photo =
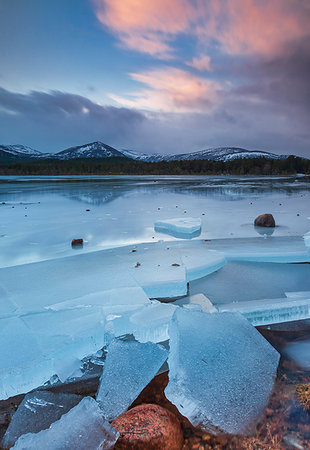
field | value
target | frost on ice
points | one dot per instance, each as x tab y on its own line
221	370
82	428
185	228
129	367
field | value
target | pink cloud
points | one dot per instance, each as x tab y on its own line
239	26
203	63
145	26
171	89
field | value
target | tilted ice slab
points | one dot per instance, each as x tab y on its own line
185	227
148	324
83	427
221	370
288	249
271	311
37	412
128	368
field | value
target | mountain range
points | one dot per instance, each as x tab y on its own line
99	150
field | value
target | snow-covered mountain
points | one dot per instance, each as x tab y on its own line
99	150
154	157
21	151
92	150
211	154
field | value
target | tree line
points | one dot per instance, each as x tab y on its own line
123	166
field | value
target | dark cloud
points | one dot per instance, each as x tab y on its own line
57	119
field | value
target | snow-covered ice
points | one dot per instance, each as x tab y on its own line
83	427
37	411
183	228
221	370
129	367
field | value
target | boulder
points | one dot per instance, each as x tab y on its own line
265	220
148	427
77	242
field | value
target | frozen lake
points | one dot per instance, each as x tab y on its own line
41	215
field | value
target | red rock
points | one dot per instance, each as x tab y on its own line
76	242
148	427
265	220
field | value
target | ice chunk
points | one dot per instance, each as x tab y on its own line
185	228
83	427
300	353
198	300
271	311
221	370
38	411
129	367
151	323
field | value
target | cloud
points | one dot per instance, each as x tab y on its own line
239	27
145	26
60	119
171	89
203	63
56	120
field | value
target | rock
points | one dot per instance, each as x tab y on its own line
265	220
148	427
77	242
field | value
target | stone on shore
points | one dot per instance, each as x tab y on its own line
148	427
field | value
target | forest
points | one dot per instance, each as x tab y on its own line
125	166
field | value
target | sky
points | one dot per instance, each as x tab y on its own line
163	76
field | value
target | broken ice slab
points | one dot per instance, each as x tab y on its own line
37	411
83	427
128	368
65	279
184	228
199	261
150	324
22	365
158	269
245	281
299	352
271	311
290	249
221	370
197	300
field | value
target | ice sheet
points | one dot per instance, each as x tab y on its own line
37	412
124	209
245	281
221	370
83	427
129	367
290	249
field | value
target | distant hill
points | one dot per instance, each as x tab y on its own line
99	150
